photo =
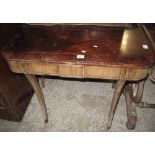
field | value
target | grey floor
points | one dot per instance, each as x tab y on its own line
81	106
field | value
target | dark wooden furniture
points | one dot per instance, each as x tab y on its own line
15	90
81	51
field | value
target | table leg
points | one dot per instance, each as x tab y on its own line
113	85
33	81
42	82
131	109
118	90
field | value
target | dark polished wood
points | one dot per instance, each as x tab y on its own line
108	46
121	53
8	31
15	91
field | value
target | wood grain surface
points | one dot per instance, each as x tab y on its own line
100	45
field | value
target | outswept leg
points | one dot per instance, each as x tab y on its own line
33	81
118	90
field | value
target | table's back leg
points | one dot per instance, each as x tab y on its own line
118	89
33	81
42	82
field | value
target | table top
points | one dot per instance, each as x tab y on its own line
81	45
151	30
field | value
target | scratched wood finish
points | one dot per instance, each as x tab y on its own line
77	71
103	46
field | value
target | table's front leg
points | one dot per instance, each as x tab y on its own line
118	90
131	109
33	81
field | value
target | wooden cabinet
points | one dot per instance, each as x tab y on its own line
15	90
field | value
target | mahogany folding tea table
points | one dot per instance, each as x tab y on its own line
81	51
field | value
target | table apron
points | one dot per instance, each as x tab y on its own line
78	71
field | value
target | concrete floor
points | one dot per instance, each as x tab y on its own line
81	106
